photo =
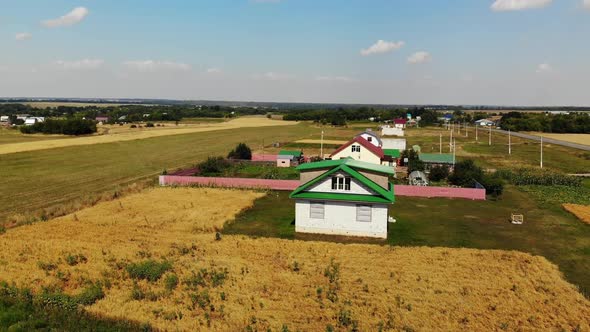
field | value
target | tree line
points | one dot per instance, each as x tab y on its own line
574	123
61	127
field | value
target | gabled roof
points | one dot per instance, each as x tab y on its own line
296	154
394	153
436	158
371	133
400	121
368	145
347	166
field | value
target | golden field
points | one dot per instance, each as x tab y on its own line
319	141
269	283
126	134
580	211
573	138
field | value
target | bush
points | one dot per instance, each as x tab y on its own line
90	294
213	165
241	152
171	282
439	173
149	125
466	173
493	184
149	270
73	127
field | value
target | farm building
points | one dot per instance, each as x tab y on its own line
4	118
372	138
102	118
394	143
485	123
32	120
343	197
289	158
437	159
400	123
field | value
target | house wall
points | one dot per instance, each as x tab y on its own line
283	162
391	131
365	155
325	186
340	219
394	143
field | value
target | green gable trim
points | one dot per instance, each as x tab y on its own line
342	197
384	195
349	162
296	154
394	153
437	158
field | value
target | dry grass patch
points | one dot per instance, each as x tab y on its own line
158	264
127	134
319	141
583	139
580	211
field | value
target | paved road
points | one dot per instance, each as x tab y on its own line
545	140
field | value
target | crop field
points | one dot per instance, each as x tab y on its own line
580	211
153	258
55	181
574	138
326	141
127	134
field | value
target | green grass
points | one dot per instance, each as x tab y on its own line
48	179
8	136
548	229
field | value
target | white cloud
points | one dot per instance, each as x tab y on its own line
23	36
419	57
272	76
75	16
152	65
213	70
544	68
511	5
334	79
382	46
586	4
83	64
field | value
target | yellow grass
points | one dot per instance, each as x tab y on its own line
580	211
573	138
318	141
126	134
423	289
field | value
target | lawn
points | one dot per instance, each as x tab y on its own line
64	179
549	230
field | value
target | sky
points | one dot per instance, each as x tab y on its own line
492	52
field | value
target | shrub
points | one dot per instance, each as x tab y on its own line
242	152
171	282
466	173
72	260
439	173
149	125
149	270
213	165
493	184
90	294
133	126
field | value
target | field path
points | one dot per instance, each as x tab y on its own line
246	122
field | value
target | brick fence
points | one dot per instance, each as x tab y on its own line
289	185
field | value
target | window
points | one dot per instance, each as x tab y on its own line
363	213
316	210
341	183
356	148
370	139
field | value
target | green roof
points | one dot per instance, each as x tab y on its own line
348	162
437	158
290	153
392	153
348	166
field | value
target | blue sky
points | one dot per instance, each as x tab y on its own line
523	52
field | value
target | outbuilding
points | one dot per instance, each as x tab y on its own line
288	158
343	197
431	160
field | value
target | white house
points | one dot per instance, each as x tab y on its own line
400	123
343	197
359	149
485	123
371	137
394	143
32	120
4	118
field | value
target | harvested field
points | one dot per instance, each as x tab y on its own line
580	211
129	135
574	138
236	282
319	141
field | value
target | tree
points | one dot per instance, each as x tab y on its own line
466	173
242	152
438	173
493	184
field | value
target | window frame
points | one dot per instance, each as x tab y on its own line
359	217
313	213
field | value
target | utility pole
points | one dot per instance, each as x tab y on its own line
322	146
466	133
454	151
541	151
440	143
509	143
451	142
490	139
476	138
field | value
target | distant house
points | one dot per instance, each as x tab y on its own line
400	123
437	159
391	157
4	118
289	158
32	120
371	137
362	150
387	130
343	197
102	118
485	123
